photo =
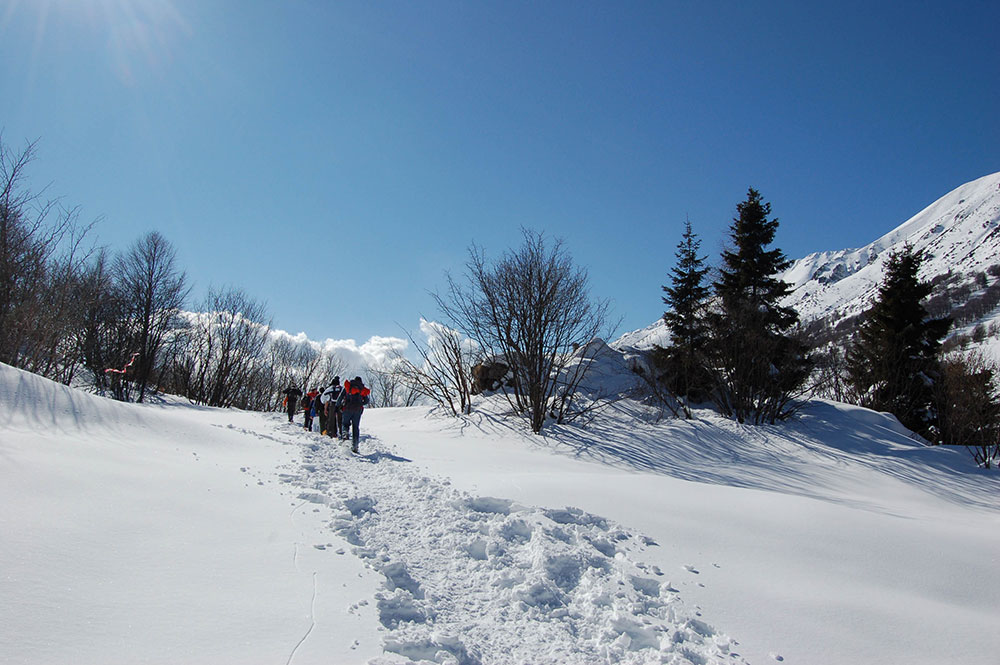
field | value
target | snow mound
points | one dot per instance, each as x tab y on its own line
31	402
608	371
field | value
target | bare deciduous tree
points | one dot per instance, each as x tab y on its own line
103	336
153	290
223	350
332	365
53	351
389	387
294	364
42	259
529	308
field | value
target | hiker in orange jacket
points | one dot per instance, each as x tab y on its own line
352	401
309	406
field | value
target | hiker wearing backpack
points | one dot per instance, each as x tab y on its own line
315	407
333	416
291	402
307	405
353	399
319	407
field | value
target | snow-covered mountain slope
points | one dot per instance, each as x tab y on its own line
959	233
655	334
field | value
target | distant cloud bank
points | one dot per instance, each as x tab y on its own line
374	353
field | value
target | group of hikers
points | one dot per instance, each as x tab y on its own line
337	408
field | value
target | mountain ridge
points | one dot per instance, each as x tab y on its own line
957	233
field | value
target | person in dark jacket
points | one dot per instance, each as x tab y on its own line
292	395
352	400
334	419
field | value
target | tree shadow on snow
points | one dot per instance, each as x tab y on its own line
816	454
381	456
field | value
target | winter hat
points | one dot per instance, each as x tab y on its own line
336	380
357	379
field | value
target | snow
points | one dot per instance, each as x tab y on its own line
960	232
169	533
655	334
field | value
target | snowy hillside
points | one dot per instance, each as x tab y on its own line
959	233
169	533
960	236
655	334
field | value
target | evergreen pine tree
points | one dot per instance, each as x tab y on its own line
892	362
683	362
758	366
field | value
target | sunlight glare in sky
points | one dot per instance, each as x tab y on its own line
130	31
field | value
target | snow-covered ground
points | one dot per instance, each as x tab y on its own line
168	533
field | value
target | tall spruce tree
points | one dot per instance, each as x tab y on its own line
758	366
892	362
683	362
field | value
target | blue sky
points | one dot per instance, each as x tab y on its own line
334	159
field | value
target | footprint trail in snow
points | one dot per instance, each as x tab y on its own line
474	580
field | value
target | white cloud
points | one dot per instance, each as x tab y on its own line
434	331
375	352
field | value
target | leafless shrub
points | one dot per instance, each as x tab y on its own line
661	394
829	376
969	406
444	374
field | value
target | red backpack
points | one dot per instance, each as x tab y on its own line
357	396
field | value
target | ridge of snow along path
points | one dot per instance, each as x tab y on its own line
472	580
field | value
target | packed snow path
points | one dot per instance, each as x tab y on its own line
480	580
